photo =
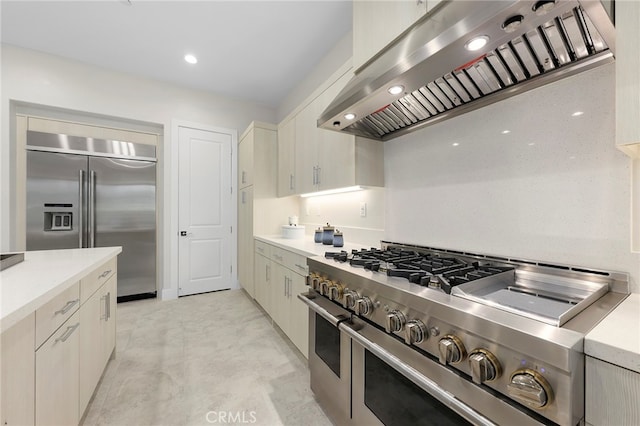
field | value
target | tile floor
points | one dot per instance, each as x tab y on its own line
213	358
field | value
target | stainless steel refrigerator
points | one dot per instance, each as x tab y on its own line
86	192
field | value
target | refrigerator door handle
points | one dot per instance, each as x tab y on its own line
80	209
92	208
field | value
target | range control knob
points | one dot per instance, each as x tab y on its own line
485	367
530	388
394	321
349	300
363	306
314	281
336	291
451	350
324	287
415	332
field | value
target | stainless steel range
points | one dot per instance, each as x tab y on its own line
418	335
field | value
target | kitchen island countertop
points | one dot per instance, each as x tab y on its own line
617	338
41	276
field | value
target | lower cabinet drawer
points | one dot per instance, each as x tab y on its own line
55	312
296	262
263	248
94	280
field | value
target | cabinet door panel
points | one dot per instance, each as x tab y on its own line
286	158
336	151
18	374
109	326
262	278
245	240
57	376
245	160
279	297
306	151
92	315
299	320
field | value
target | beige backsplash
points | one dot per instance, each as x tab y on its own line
343	212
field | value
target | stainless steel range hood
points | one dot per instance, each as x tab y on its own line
529	44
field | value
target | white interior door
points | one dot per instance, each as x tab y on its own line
204	213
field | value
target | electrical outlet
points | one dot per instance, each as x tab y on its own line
363	209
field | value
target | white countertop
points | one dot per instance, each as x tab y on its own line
305	246
617	338
41	276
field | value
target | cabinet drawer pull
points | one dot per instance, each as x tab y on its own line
260	249
275	256
105	273
70	304
67	333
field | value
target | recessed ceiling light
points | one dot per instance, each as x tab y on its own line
506	132
395	90
455	144
350	116
577	114
191	59
477	43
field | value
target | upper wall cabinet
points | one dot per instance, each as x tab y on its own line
378	23
287	158
325	159
627	77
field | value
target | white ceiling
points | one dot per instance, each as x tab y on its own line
252	50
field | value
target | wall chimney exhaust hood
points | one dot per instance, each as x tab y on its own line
431	73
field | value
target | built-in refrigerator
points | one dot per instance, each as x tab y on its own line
87	192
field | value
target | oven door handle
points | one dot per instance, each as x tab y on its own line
412	374
322	307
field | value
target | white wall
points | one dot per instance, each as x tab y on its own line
333	60
554	189
36	78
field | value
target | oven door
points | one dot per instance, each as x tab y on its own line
329	357
393	384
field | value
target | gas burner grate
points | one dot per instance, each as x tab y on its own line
426	269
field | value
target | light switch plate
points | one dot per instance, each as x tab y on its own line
363	209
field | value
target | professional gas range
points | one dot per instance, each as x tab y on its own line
489	340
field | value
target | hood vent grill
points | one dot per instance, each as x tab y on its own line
561	46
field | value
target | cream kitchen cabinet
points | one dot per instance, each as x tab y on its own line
97	338
245	240
45	352
326	159
257	168
299	321
58	376
17	388
612	394
377	23
280	277
262	276
287	158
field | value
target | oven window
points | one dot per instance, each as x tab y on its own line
396	400
328	344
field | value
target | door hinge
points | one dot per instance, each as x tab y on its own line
231	229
